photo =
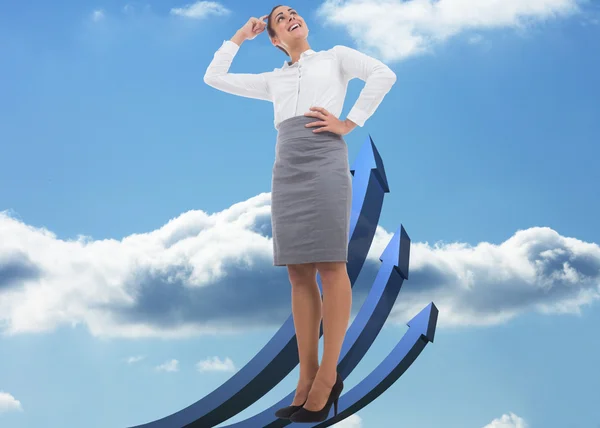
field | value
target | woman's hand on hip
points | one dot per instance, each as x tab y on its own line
329	122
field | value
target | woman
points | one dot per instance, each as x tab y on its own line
311	185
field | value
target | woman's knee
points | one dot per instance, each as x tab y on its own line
302	273
331	270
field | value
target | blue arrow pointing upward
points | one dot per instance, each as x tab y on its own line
368	188
280	355
378	304
421	330
364	329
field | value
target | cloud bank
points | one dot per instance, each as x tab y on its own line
396	29
206	273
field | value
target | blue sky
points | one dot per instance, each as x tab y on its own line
127	183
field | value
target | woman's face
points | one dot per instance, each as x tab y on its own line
288	26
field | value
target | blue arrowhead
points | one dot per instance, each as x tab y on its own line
368	189
369	159
425	321
397	252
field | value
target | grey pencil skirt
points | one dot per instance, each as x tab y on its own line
311	195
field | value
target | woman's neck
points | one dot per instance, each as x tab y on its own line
296	51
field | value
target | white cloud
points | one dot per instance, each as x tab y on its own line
135	359
97	15
507	421
200	9
168	366
206	273
396	29
215	364
352	421
8	403
534	270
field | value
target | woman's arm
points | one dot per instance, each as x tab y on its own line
378	78
246	85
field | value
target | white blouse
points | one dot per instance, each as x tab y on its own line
318	79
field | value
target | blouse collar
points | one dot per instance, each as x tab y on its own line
307	52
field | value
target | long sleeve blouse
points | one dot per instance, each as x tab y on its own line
317	79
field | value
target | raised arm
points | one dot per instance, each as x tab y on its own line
243	84
378	78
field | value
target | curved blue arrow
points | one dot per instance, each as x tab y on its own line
365	327
421	330
280	355
368	187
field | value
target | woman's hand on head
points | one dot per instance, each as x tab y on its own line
254	27
328	122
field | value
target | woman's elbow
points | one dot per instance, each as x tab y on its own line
386	75
213	77
209	79
390	76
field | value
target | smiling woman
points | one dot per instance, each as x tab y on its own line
311	191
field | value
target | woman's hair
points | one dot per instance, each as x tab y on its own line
270	29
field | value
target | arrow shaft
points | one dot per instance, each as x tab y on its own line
380	379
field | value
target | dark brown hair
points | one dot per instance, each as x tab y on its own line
270	29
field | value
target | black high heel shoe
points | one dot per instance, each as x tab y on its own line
286	412
303	415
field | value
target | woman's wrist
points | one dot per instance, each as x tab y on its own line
351	125
239	37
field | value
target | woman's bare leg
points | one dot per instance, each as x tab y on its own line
306	309
337	304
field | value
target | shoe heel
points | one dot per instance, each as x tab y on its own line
335	407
